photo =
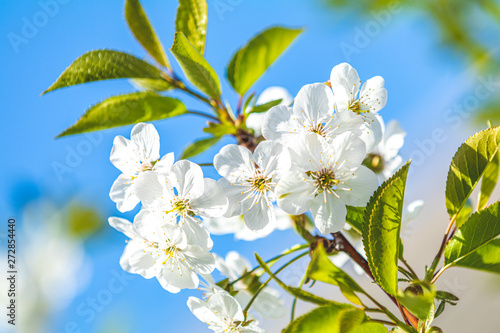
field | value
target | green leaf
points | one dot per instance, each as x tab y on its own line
381	230
418	303
341	318
199	146
252	60
480	229
191	19
104	65
468	166
195	67
322	269
126	109
138	23
355	217
489	182
486	258
464	213
219	129
371	327
297	292
158	85
264	107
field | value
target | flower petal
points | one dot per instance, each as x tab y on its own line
237	197
213	202
200	310
176	275
123	193
279	122
147	140
345	83
235	163
314	104
348	151
148	187
393	141
295	193
201	261
372	133
187	177
164	165
373	95
196	232
125	156
260	215
124	226
358	188
135	259
329	213
272	158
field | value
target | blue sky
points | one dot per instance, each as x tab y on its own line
423	80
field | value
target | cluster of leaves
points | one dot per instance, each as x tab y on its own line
247	65
470	241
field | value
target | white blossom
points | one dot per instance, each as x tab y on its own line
362	100
326	179
249	180
181	196
162	250
313	111
223	314
255	121
134	158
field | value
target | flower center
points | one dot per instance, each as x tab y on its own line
259	183
318	129
355	106
324	180
170	251
180	207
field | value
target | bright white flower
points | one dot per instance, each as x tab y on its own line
249	180
364	101
268	303
222	313
134	158
255	121
180	196
410	213
385	158
312	111
236	225
328	177
162	251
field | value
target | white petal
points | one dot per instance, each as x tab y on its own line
176	276
236	264
345	83
306	151
235	163
393	141
135	259
237	198
348	150
123	193
269	304
213	202
147	140
200	309
279	122
196	232
148	187
224	225
373	95
125	156
199	260
295	193
272	158
314	103
255	121
341	122
273	93
226	306
123	225
164	165
260	215
152	226
362	185
413	209
187	177
372	132
329	213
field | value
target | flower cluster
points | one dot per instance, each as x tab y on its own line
321	154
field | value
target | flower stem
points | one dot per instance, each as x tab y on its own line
294	303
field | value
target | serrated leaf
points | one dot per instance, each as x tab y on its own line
322	269
265	107
158	85
191	19
195	67
199	146
370	327
126	109
104	65
142	30
464	214
468	166
342	318
486	258
297	292
252	60
489	182
421	304
355	217
381	230
481	228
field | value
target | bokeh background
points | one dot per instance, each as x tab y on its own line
440	63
